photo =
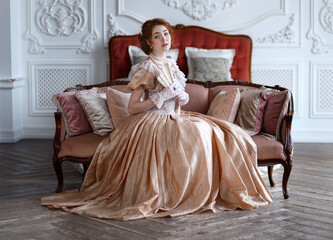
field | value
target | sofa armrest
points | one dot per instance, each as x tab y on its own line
58	137
285	130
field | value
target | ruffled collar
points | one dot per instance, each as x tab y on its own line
151	67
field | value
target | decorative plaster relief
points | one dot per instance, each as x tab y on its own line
200	10
318	35
285	35
50	78
60	17
87	43
113	27
317	44
35	47
207	10
66	20
326	16
321	90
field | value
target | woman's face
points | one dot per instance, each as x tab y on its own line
161	40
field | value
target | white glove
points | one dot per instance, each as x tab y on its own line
167	93
182	98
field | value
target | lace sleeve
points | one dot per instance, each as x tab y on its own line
142	78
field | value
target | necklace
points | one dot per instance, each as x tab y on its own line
157	58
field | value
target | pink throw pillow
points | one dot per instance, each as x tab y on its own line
75	120
277	104
117	102
225	105
251	110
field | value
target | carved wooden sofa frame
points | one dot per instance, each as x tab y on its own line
241	70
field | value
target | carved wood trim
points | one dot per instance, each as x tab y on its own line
285	127
56	139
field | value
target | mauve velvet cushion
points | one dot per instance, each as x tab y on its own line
96	110
117	102
277	104
251	110
75	120
225	105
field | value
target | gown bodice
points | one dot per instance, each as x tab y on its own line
146	73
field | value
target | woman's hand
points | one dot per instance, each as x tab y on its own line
182	98
166	94
135	104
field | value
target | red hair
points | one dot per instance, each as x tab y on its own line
147	31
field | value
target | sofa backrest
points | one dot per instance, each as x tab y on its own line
199	98
213	91
186	36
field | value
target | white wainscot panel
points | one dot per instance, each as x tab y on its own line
206	13
61	24
277	73
321	26
321	90
49	78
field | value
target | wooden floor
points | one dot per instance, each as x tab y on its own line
26	174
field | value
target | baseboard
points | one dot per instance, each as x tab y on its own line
39	133
11	135
312	135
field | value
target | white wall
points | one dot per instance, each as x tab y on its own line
11	81
293	46
5	58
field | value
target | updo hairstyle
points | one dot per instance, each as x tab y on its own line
146	33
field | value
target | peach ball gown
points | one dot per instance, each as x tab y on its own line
159	163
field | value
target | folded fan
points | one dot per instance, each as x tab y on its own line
166	77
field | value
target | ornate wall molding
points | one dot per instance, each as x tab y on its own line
35	45
200	10
326	16
113	28
317	32
285	35
317	44
60	17
68	21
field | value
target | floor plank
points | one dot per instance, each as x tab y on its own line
26	174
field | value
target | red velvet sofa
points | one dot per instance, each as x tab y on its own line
81	148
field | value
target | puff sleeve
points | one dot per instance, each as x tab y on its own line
142	78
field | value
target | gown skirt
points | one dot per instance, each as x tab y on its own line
157	165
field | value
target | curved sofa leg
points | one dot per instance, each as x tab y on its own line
287	170
58	169
270	176
85	168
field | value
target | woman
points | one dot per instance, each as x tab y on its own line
164	162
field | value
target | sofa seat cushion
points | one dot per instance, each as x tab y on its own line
268	149
80	146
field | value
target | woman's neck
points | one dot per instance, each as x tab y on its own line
159	60
158	56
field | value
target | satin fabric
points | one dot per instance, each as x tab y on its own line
157	165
